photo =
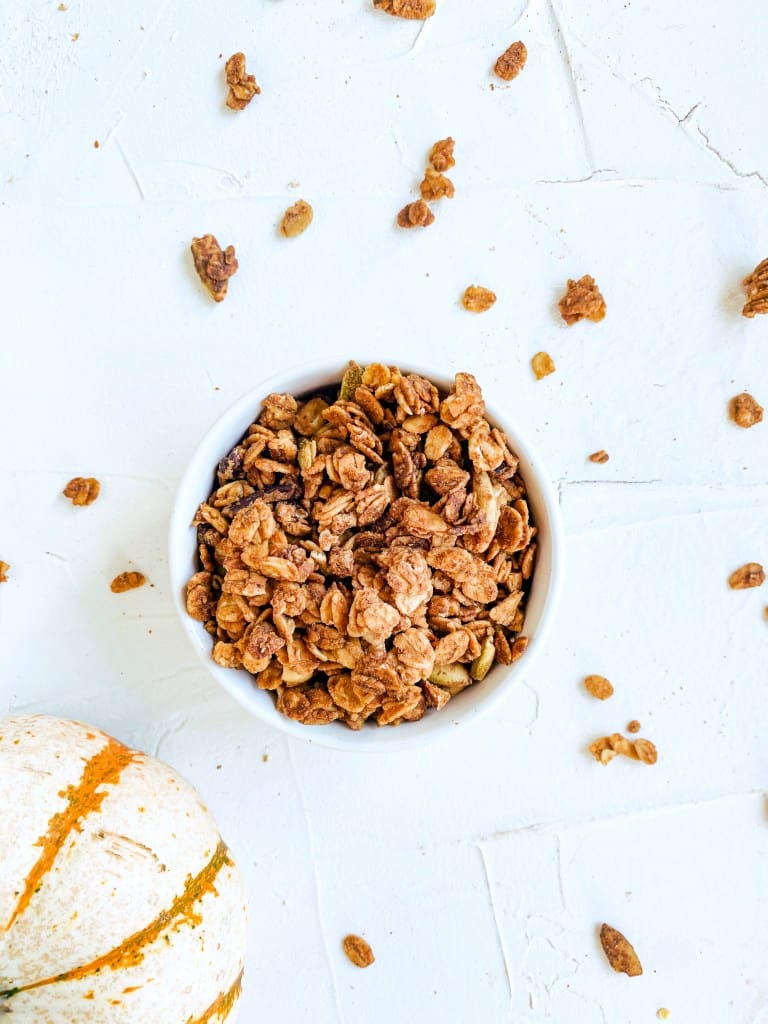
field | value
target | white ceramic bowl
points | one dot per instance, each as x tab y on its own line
469	705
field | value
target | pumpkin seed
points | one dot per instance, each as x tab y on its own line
350	382
307	452
481	666
453	678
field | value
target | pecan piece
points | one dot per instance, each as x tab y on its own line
242	87
756	285
582	301
82	490
296	219
745	411
416	214
620	952
214	265
512	61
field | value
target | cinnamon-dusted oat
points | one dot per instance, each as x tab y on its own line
747	576
582	301
600	457
296	219
358	951
242	87
599	687
756	285
415	215
620	952
478	299
127	581
416	10
366	559
4	567
542	365
512	61
745	411
214	265
436	186
82	490
604	750
441	155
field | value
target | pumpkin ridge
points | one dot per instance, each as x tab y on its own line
130	952
83	798
222	1005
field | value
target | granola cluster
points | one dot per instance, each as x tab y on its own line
366	554
756	285
242	86
512	61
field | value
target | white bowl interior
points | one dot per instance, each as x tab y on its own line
197	483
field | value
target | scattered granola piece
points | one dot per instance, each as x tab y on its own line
512	61
414	10
441	155
436	186
620	952
4	567
414	215
745	411
242	87
663	1013
214	266
127	581
600	457
75	36
542	365
749	575
82	490
358	951
756	285
62	7
582	301
599	687
477	299
96	143
633	726
296	219
604	750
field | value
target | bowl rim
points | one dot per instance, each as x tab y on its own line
201	464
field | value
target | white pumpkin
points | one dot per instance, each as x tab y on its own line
119	902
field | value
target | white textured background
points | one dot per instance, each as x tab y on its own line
633	147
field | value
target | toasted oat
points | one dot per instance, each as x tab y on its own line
296	219
436	186
242	87
633	726
604	750
620	952
756	285
127	581
358	951
414	215
441	155
600	457
214	266
745	411
542	365
415	10
749	575
599	687
512	61
82	490
582	301
4	567
477	299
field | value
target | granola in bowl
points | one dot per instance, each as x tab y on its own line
367	550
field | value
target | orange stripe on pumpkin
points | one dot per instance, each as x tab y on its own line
131	951
222	1005
84	798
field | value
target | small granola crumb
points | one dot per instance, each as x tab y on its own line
745	411
663	1013
358	951
127	581
441	155
512	61
296	219
265	758
62	7
75	36
749	575
242	87
96	143
214	265
415	10
582	301
633	726
542	365
477	299
756	285
82	490
599	687
414	215
436	185
600	457
604	750
4	567
620	952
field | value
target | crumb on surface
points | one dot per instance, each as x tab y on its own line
129	580
542	365
600	457
477	299
512	61
358	951
599	687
